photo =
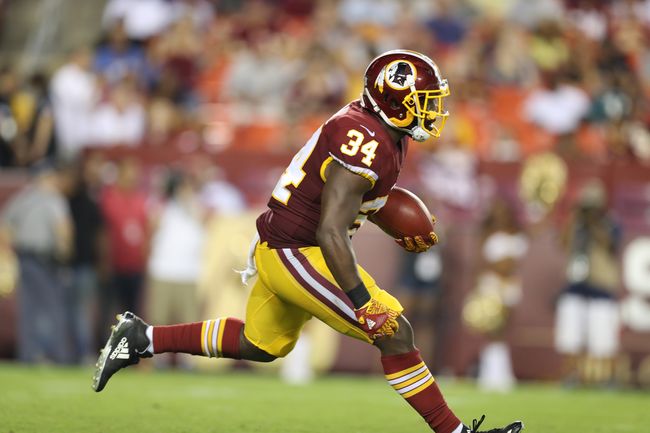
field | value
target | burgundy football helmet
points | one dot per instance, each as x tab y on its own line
406	90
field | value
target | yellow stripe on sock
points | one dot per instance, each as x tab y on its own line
222	327
210	330
403	372
419	389
411	380
205	349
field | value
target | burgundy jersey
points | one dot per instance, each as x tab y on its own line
354	138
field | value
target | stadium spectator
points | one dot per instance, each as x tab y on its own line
35	122
613	102
201	12
165	116
177	53
559	107
632	9
532	14
590	18
124	210
118	58
37	220
176	256
320	86
637	134
87	259
447	25
8	125
274	62
74	94
587	318
217	194
511	63
382	13
548	46
487	9
121	120
503	246
419	282
143	19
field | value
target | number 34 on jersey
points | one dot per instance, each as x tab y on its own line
294	174
356	144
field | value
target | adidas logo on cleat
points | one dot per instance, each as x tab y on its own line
371	323
121	351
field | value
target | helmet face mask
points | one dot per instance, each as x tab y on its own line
427	106
406	90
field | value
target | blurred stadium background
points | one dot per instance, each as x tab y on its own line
540	183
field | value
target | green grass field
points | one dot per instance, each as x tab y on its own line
48	400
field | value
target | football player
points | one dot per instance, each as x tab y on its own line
303	255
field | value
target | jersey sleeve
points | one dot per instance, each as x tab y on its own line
356	147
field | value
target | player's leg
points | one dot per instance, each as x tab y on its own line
304	280
570	335
603	329
272	330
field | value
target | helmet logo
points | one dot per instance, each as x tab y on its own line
400	74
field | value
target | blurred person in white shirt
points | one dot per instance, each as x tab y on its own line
74	94
217	194
590	18
559	107
176	256
142	19
121	120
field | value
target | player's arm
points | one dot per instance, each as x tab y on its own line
340	203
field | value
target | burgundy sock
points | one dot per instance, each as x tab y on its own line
410	377
210	338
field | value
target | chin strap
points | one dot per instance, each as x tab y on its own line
419	134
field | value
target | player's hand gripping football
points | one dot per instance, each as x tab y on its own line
418	244
377	319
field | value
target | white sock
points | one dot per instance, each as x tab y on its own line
149	334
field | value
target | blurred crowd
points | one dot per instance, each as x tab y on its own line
86	250
526	76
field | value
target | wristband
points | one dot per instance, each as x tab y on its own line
359	296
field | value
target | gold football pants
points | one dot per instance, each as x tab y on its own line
292	286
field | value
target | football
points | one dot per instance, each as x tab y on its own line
403	215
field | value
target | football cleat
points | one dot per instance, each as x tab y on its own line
515	427
126	345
